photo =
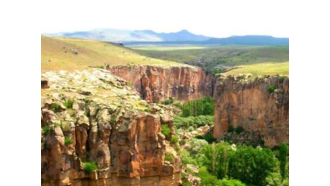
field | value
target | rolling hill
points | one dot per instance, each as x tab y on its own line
71	54
213	58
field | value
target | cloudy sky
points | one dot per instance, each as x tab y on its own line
217	18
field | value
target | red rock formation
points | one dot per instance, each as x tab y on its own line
114	129
254	107
156	83
131	152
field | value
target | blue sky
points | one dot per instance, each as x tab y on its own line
208	17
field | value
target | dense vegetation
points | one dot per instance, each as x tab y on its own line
194	114
222	164
252	166
190	123
204	106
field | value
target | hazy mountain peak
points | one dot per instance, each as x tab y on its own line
118	35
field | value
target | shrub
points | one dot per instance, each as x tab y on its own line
57	124
68	104
196	145
186	184
207	178
68	141
186	158
271	88
209	137
177	148
90	167
169	157
231	129
226	182
275	179
55	107
112	121
147	110
191	121
174	139
182	142
239	129
281	79
45	130
191	128
166	131
168	102
183	175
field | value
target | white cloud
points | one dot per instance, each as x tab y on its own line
208	17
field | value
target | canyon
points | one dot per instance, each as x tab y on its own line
240	100
111	117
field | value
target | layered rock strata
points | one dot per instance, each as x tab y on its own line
158	83
96	130
260	106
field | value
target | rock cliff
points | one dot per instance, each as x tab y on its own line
158	83
96	130
260	106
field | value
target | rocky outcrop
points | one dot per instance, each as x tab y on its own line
260	106
106	137
158	83
189	177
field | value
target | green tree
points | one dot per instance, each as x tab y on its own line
275	179
283	156
252	165
208	179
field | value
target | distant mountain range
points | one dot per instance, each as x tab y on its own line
138	37
249	40
116	35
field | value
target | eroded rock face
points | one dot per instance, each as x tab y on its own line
156	83
254	106
111	127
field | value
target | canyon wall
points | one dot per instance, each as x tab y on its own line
94	118
156	83
260	106
239	100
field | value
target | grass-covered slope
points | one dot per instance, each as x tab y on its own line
212	58
262	69
72	54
